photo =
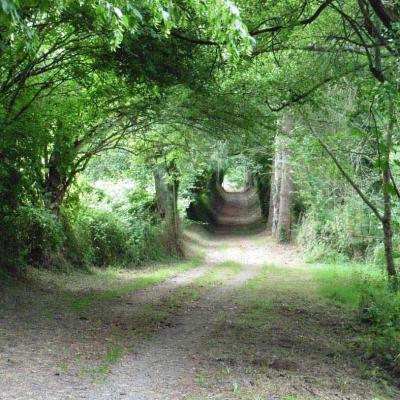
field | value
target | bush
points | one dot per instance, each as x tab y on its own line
380	309
148	242
129	233
346	230
364	288
143	205
106	235
32	235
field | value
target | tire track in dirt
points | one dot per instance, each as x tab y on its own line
165	366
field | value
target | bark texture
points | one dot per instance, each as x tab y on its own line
281	198
387	202
271	196
56	188
276	189
167	185
286	187
161	189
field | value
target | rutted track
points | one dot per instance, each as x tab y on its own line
236	211
300	348
165	366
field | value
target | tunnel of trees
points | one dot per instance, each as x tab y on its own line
124	122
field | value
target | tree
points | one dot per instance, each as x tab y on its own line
378	144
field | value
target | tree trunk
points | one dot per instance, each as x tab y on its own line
249	181
387	202
271	196
387	185
283	233
160	189
172	223
276	190
216	180
285	199
167	185
55	187
388	245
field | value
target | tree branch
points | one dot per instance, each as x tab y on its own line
303	22
346	175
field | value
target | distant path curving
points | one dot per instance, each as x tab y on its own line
236	211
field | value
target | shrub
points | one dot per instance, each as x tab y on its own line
107	237
364	288
146	242
380	309
33	234
143	205
106	234
129	233
345	230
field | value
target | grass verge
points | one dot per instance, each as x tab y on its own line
363	289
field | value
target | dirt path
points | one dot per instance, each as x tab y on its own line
165	367
250	326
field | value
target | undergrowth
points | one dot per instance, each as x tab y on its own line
363	288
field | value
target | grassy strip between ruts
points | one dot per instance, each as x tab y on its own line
229	342
143	324
153	315
218	274
141	282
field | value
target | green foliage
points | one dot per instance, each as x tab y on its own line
106	234
235	177
380	309
364	288
108	239
143	206
33	233
82	78
38	228
346	231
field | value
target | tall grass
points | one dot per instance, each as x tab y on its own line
346	283
363	288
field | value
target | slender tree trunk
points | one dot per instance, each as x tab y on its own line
271	196
167	185
249	181
160	189
285	200
172	223
388	245
386	218
276	190
220	174
283	233
387	201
